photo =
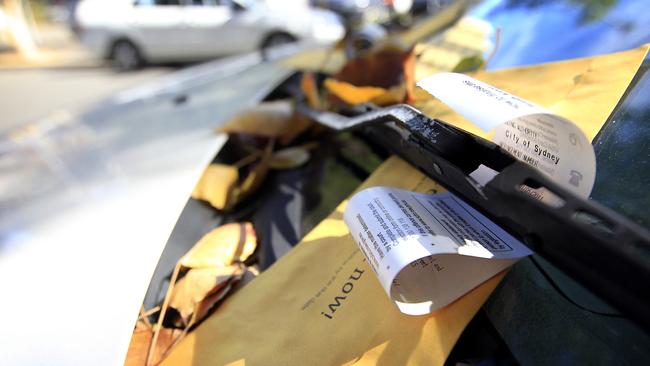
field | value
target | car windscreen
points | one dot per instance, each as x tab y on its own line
572	323
623	153
534	31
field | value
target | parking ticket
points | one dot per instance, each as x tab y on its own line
532	134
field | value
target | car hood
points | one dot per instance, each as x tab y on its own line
88	203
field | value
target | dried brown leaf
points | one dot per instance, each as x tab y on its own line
255	177
217	185
269	119
289	158
309	88
217	251
197	292
221	247
409	75
299	124
383	68
203	308
141	341
353	95
385	76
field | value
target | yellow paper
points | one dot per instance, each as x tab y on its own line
277	320
584	91
468	37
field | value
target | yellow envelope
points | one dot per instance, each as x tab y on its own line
584	91
280	318
277	320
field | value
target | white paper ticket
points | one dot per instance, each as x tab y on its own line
427	250
529	132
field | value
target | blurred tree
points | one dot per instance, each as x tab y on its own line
19	29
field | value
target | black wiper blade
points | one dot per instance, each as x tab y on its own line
603	250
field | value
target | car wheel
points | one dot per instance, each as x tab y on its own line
125	56
274	40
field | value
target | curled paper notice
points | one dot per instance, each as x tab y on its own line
427	250
529	132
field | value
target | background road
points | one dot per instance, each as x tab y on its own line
28	95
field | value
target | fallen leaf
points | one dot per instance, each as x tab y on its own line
299	124
382	67
216	185
220	184
269	119
218	250
141	341
203	308
221	247
353	94
195	294
289	158
143	319
255	176
141	325
409	75
385	76
309	88
391	68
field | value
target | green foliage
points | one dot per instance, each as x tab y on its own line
469	64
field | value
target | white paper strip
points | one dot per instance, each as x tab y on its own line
531	133
427	250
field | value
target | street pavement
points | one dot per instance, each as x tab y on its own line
28	95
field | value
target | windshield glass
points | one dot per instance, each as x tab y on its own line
540	31
535	31
623	154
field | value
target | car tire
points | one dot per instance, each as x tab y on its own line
125	56
273	40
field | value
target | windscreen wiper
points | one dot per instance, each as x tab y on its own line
603	250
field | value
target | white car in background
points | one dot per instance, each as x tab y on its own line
133	32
